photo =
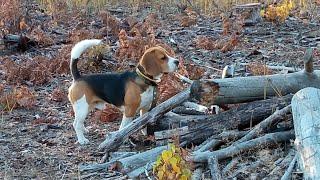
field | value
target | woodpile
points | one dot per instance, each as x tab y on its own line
265	114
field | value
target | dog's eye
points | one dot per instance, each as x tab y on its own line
163	58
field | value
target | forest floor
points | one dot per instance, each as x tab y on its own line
37	140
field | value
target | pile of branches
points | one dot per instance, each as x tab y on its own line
260	118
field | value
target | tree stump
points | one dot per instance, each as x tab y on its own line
306	118
250	13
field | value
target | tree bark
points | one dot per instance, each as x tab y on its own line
306	118
244	89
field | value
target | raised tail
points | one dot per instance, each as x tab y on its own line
76	52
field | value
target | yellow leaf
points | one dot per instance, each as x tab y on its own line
166	155
171	176
262	12
183	177
160	175
173	161
176	169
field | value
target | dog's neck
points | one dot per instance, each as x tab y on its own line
148	79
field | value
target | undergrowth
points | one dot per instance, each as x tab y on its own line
171	164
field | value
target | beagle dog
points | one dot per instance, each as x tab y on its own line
130	91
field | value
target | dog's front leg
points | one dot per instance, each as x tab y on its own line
125	121
144	130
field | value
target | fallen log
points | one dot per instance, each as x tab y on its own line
244	89
238	117
264	141
115	139
244	116
306	118
264	125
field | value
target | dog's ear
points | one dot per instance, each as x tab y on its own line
150	63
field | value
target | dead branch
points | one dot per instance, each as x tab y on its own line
306	118
244	89
115	139
208	144
266	140
127	164
288	172
230	165
264	125
281	166
214	168
197	174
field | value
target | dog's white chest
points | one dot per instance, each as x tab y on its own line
147	98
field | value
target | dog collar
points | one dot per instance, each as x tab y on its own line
147	78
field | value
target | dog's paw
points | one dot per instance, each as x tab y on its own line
83	141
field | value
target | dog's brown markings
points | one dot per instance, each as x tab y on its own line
155	61
80	88
132	99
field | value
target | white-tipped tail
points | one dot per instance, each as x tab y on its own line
81	46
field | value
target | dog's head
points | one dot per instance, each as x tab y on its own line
156	61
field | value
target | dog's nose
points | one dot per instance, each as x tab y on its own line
176	62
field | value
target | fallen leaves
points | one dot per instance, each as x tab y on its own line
109	114
224	44
259	69
169	86
189	19
18	97
111	22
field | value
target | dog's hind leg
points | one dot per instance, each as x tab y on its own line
81	110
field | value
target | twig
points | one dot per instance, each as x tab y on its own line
183	78
287	174
230	165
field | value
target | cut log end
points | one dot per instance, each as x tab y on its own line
308	61
204	92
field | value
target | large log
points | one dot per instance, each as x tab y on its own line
306	118
115	139
245	115
244	89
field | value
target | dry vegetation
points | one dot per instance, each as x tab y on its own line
36	136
